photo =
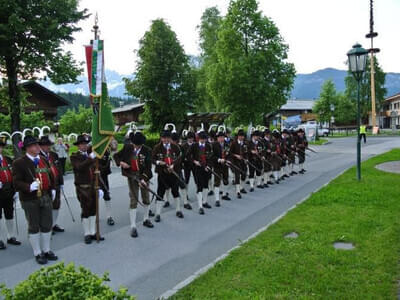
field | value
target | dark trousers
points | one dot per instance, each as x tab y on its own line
202	178
57	199
38	214
87	198
363	136
223	172
104	178
62	163
239	175
187	170
257	163
6	203
167	181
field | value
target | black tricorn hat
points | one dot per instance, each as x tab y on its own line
300	130
175	137
255	133
82	139
220	133
138	138
165	133
190	135
44	140
3	141
29	140
285	131
202	135
267	131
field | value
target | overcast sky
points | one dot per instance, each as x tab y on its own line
319	32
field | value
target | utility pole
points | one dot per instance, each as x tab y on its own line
371	35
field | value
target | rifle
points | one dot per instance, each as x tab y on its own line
298	149
230	164
16	218
177	176
311	150
251	165
213	172
69	208
147	188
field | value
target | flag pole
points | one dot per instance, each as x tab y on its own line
97	171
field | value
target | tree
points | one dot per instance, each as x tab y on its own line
251	76
76	121
345	110
365	88
208	33
328	99
163	79
31	40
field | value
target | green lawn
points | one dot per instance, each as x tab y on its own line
320	141
272	267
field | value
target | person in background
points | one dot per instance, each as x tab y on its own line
62	151
363	133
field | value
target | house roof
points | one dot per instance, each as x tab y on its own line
39	90
394	97
127	107
305	104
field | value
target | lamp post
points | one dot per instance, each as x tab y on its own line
357	58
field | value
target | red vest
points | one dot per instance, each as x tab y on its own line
168	158
5	172
42	173
135	161
203	156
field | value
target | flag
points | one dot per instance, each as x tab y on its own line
103	124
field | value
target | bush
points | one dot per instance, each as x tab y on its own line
63	282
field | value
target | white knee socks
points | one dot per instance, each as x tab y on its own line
55	216
46	241
132	217
108	208
177	204
205	195
34	240
86	227
200	199
10	228
159	205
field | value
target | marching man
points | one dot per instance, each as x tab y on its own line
238	151
83	164
7	197
35	183
135	162
56	170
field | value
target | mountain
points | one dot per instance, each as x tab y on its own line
116	86
308	86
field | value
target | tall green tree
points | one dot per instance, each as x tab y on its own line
345	110
365	88
163	78
32	34
208	34
76	120
327	102
251	76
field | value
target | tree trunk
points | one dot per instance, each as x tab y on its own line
15	106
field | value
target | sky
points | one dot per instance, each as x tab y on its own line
319	32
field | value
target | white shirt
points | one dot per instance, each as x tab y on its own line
32	158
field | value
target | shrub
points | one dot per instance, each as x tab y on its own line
63	282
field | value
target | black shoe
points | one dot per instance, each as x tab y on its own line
134	233
88	239
206	205
179	214
294	173
282	178
147	223
151	214
50	255
243	191
220	192
251	190
270	182
2	245
187	206
110	221
304	170
247	182
286	176
261	186
210	193
166	204
94	238
13	241
217	204
57	228
226	197
41	259
277	181
266	185
158	218
201	211
239	196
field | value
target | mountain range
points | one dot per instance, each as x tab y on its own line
306	86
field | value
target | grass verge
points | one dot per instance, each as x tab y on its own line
366	213
320	141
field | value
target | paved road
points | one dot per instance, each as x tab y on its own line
175	249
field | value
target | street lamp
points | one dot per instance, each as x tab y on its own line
357	61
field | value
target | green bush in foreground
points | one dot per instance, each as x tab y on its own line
63	282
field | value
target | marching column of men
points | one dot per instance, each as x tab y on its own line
264	159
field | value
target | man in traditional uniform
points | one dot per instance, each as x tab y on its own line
276	159
211	140
56	170
285	151
220	150
301	146
34	181
239	152
135	161
83	164
105	171
266	140
200	154
167	157
255	159
292	152
188	167
8	197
